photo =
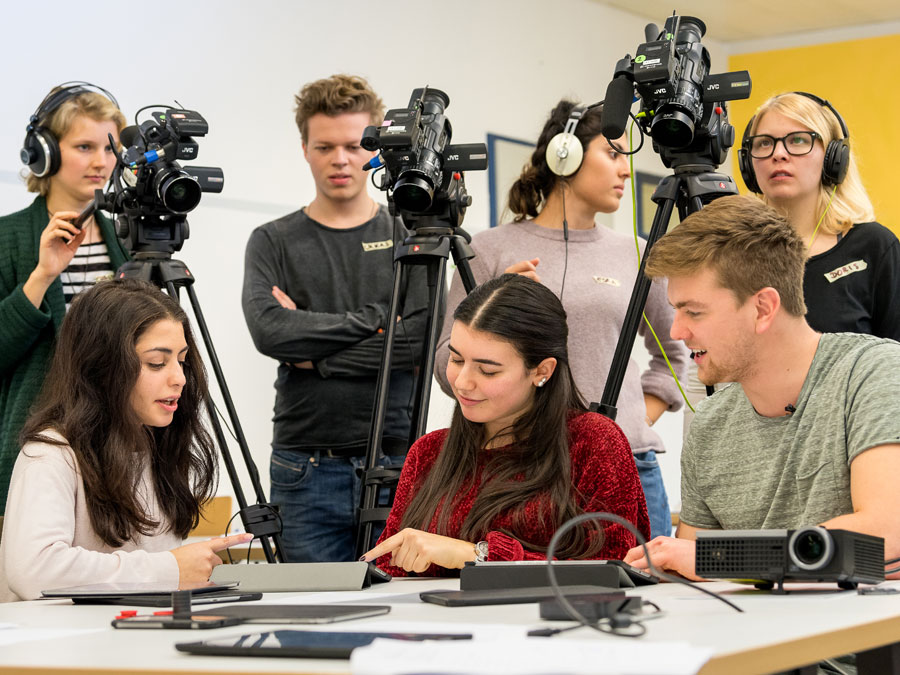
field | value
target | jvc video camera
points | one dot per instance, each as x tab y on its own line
679	97
152	190
416	152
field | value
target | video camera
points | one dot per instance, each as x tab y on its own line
151	191
419	161
679	98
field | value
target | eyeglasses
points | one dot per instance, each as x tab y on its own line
795	143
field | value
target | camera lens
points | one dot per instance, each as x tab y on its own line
179	192
811	548
673	129
413	193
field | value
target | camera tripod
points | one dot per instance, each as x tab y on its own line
260	519
435	236
689	188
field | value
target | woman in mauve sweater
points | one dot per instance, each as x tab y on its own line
522	455
116	461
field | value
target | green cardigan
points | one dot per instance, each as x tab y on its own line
27	334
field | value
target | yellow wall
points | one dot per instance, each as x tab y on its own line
861	79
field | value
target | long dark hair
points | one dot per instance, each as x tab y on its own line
87	398
536	181
532	319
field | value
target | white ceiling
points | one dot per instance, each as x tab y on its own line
742	20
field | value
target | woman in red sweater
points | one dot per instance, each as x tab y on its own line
522	454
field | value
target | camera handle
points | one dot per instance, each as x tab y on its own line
689	187
433	241
260	519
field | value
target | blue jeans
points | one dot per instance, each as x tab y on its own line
655	493
318	498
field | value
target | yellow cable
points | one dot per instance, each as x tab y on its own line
822	217
638	249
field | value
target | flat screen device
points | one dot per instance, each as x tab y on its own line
148	594
301	643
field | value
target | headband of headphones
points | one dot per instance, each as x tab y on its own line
60	95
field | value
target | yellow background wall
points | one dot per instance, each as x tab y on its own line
861	79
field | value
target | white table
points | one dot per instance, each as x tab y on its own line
775	633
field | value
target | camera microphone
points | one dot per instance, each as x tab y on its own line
129	135
616	106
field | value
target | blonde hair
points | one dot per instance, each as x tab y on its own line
851	203
748	244
89	104
336	95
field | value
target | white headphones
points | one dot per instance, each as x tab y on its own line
564	151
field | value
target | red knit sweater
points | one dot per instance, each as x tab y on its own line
604	478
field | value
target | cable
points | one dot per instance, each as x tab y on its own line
822	217
638	247
566	240
613	518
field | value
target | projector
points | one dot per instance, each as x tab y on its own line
770	557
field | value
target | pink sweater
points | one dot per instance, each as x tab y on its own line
48	541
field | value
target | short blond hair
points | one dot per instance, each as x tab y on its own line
748	244
336	95
851	203
89	104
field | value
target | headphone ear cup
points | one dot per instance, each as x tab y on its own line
836	162
564	154
745	164
40	152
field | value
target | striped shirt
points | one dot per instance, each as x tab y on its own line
90	265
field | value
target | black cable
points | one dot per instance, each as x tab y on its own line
891	561
148	107
566	240
893	570
640	145
613	518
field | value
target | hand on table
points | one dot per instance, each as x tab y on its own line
196	561
415	550
669	554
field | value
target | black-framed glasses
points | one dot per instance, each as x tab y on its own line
762	146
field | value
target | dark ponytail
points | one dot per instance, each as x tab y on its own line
537	182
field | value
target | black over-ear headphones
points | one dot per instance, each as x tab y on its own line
40	150
564	151
837	154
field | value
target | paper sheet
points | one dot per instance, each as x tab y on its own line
529	656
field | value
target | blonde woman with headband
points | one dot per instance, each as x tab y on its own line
796	153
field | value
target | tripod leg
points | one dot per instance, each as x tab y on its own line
260	514
436	280
369	493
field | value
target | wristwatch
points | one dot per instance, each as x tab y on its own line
481	551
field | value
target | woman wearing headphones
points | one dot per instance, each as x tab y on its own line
44	259
553	239
796	154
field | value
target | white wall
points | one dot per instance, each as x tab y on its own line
504	64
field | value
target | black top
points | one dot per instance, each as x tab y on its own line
854	287
341	281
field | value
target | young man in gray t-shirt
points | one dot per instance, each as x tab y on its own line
809	433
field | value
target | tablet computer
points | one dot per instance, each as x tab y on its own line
509	596
496	575
301	643
260	613
148	594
